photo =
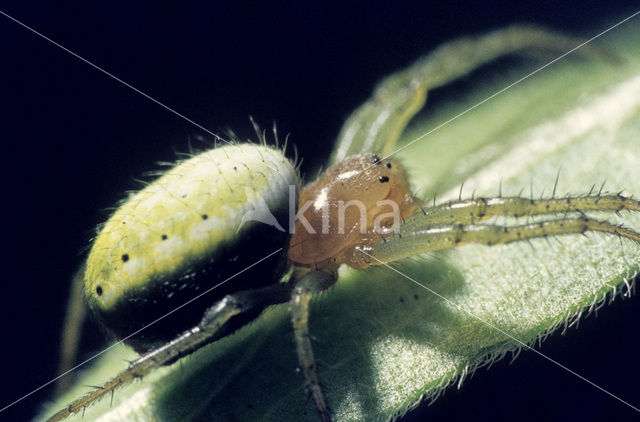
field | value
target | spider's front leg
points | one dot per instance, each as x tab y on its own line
414	239
312	283
471	211
248	303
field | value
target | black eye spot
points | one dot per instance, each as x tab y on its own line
164	237
388	165
99	290
125	257
235	168
383	179
375	159
205	216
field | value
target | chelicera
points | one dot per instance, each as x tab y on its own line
178	238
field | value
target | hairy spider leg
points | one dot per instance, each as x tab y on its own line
215	318
377	124
471	211
415	238
312	283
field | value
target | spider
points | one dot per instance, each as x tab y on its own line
141	265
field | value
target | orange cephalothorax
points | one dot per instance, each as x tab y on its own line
352	204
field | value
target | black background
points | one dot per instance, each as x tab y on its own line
73	140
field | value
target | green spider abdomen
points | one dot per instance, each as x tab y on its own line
182	235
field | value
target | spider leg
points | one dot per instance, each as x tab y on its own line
377	124
415	240
475	210
311	284
75	316
208	330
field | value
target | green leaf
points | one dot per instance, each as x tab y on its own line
383	342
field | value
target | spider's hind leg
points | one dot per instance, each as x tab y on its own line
74	319
309	285
213	325
377	124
